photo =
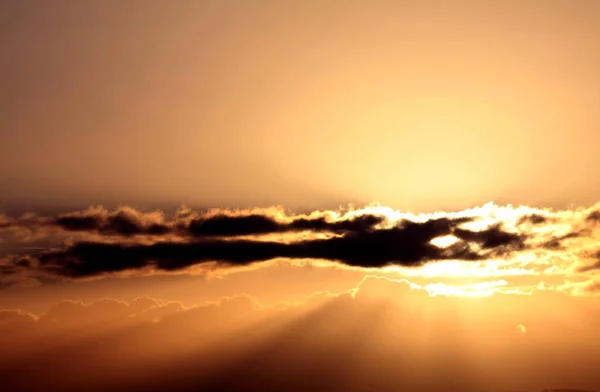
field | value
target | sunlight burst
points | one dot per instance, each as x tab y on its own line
445	241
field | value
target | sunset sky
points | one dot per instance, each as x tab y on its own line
315	195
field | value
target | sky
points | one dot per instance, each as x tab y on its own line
299	195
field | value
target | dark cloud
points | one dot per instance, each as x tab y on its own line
556	242
125	222
535	219
97	241
128	222
407	244
594	216
255	224
15	271
8	269
493	237
10	266
594	266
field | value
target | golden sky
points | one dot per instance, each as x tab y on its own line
419	105
316	195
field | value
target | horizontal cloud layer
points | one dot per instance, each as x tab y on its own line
127	222
100	242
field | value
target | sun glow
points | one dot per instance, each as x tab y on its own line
445	241
481	289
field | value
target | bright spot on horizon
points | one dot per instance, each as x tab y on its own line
445	241
521	328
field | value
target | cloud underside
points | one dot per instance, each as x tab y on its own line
104	242
237	343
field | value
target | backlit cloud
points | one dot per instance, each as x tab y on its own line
97	242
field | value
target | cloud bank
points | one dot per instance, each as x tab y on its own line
97	242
